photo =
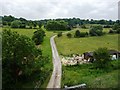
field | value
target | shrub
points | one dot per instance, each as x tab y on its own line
77	34
56	25
83	34
116	28
102	58
83	26
59	34
111	31
96	31
107	26
18	55
69	35
38	36
16	24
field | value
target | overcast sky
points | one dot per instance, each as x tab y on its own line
49	9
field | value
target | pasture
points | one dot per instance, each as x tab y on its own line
68	46
79	74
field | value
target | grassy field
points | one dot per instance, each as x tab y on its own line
79	74
46	51
67	46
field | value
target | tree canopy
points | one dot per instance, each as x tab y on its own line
18	57
56	25
38	36
71	22
96	30
16	24
102	57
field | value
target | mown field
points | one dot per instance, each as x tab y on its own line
68	46
46	51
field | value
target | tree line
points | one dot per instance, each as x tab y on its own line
59	24
96	30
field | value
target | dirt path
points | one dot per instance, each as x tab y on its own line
55	80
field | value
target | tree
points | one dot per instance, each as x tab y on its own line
40	24
102	58
7	20
83	34
34	25
59	34
77	34
116	28
16	24
83	26
56	25
38	36
18	55
96	30
23	23
111	31
69	35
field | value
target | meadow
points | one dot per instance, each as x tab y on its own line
68	46
79	74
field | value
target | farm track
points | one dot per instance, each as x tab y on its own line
55	80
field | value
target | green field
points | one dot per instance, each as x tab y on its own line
67	46
79	74
93	78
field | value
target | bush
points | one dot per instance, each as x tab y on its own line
57	25
18	55
16	24
83	26
102	58
115	31
116	28
107	26
77	34
83	34
38	36
96	31
69	35
111	31
59	34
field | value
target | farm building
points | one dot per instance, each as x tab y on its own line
88	56
113	53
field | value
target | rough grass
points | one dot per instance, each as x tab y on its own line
67	46
93	78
